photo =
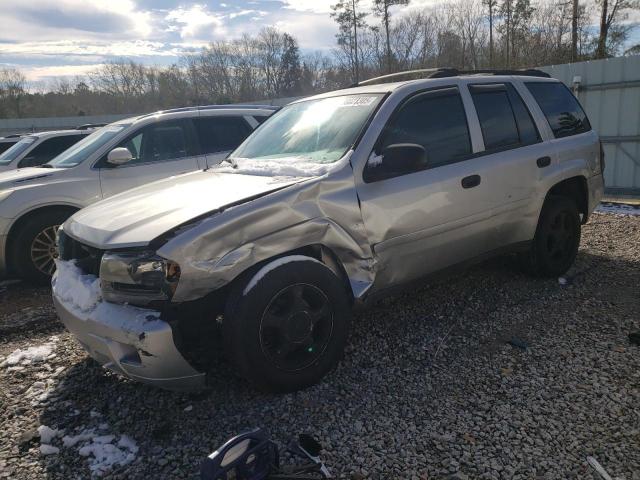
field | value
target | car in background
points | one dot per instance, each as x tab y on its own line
107	161
35	149
9	141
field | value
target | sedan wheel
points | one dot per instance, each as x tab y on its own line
44	250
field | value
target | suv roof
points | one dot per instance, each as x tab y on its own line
390	83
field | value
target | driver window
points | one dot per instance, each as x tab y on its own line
155	143
437	121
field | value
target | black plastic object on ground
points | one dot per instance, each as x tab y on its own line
249	456
252	456
634	338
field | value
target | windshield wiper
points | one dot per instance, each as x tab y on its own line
45	165
231	161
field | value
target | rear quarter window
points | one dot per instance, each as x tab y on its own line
564	114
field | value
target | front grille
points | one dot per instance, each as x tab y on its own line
87	258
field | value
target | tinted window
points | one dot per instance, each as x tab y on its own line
563	112
497	121
155	143
48	149
526	126
220	134
504	119
435	120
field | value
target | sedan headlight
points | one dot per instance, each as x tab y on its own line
138	278
4	194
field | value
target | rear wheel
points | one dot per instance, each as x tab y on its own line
557	239
35	248
286	326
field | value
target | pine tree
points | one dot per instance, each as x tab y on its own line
349	20
381	9
290	71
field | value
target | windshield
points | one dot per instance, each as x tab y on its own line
315	132
16	150
87	146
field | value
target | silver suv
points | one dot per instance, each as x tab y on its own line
333	202
34	201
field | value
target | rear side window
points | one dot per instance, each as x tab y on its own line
563	112
504	119
221	134
48	150
437	121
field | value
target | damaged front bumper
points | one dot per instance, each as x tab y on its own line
131	341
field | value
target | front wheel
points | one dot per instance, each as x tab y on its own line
286	326
557	239
35	248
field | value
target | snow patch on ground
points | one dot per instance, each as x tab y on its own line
618	209
273	265
102	451
72	286
28	356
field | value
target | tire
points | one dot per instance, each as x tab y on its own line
557	239
286	325
34	246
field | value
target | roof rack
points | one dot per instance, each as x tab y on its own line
88	126
14	135
212	107
445	73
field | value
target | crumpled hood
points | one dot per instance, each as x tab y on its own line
25	176
136	217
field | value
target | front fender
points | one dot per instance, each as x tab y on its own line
214	252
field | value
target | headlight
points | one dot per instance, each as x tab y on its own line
138	278
4	194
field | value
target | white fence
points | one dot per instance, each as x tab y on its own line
609	90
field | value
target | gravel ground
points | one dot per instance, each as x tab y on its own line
430	387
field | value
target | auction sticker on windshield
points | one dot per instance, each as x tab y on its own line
357	100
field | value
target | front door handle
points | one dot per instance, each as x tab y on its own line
543	162
471	181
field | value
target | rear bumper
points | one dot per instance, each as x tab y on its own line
131	341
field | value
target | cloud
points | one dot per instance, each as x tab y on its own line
56	19
195	22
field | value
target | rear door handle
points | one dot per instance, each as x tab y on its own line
543	162
471	181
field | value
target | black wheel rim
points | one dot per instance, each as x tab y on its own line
296	327
44	250
561	237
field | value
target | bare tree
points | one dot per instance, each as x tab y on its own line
612	12
381	8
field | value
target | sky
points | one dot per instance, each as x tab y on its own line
50	38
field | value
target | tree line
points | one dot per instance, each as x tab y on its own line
463	34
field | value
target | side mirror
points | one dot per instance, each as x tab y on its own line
119	156
396	160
